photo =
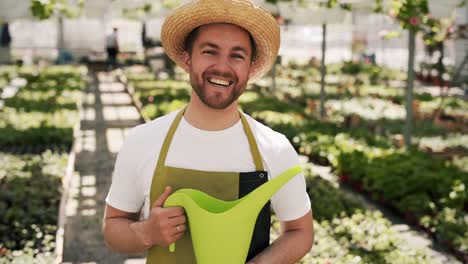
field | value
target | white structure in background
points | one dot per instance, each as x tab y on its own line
33	39
301	40
82	37
301	43
153	28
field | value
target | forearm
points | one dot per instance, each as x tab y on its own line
121	236
289	247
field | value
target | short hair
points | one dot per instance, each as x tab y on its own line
192	36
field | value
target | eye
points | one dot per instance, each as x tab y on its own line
211	52
237	56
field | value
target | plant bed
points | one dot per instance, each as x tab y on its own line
36	128
154	98
30	190
345	232
407	195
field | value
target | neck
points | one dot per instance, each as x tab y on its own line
204	117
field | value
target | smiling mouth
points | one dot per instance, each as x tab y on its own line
219	82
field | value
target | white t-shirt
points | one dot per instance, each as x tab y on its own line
191	148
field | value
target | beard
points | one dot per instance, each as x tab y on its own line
217	100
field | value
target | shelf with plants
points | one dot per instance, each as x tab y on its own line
305	91
351	156
421	188
346	232
37	127
30	191
331	147
153	97
44	112
380	117
452	144
452	108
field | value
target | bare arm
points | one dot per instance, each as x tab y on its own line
125	234
295	240
118	232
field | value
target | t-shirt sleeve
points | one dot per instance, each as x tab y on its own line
291	201
125	193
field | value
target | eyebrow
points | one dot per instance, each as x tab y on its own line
241	49
209	44
214	46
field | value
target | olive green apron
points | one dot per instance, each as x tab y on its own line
222	185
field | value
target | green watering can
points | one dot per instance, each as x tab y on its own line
222	230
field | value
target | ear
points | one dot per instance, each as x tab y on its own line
187	62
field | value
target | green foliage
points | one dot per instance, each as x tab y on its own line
410	13
36	128
328	202
43	112
41	115
44	9
29	199
347	233
50	101
152	111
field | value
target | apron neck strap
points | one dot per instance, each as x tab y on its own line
252	143
248	132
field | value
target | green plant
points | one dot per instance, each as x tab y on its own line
30	189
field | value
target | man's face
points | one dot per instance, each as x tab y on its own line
219	64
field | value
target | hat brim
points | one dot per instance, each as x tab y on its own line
257	21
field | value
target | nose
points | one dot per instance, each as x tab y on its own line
223	67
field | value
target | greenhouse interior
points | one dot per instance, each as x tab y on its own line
371	94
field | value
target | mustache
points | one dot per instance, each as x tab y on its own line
225	74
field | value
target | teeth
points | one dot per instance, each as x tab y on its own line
219	82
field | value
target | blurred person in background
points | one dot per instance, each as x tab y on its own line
112	48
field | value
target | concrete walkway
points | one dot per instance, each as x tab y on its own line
106	118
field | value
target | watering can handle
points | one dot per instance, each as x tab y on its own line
172	247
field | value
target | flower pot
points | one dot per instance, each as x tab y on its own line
442	9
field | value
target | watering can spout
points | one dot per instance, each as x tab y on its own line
222	230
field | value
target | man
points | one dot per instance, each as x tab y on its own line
112	48
209	145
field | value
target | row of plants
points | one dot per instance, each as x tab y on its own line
427	191
36	128
30	190
155	97
398	179
346	232
448	142
44	111
380	116
446	220
304	89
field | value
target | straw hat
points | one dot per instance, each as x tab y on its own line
243	13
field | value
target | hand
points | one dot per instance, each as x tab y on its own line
164	226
